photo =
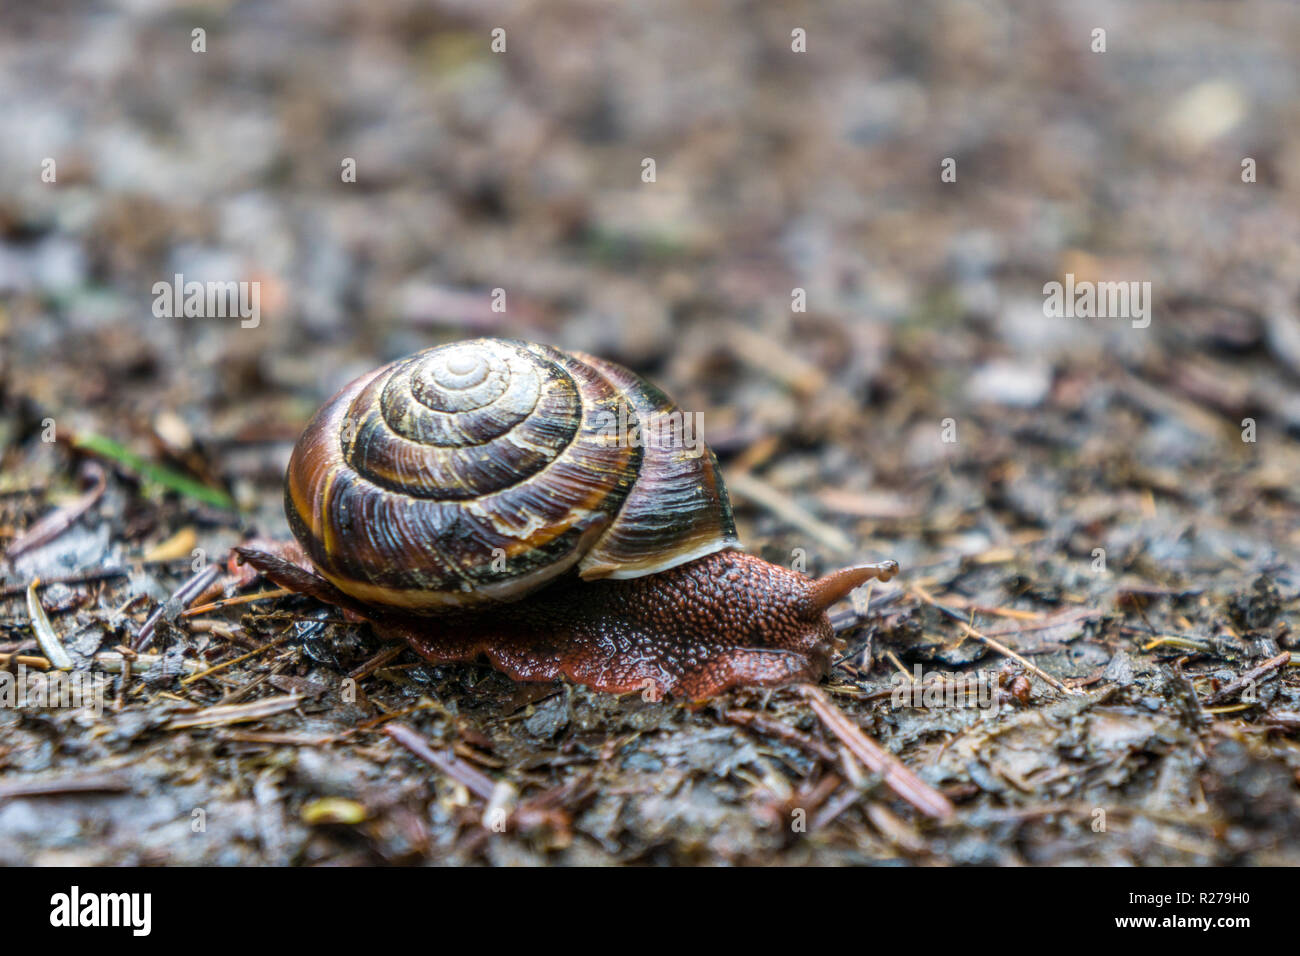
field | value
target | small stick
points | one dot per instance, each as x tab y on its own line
230	602
27	660
378	661
1186	643
812	798
1022	660
878	760
773	357
46	636
1254	675
234	660
1014	613
235	713
1232	709
893	829
123	681
186	593
60	520
834	808
893	659
1042	624
114	662
1286	719
92	783
374	722
747	485
780	730
996	645
239	693
275	739
474	780
1011	612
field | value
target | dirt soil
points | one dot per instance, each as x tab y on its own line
1097	518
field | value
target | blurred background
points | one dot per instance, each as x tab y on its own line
775	171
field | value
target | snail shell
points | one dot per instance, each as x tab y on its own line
480	471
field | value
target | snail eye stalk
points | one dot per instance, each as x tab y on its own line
825	591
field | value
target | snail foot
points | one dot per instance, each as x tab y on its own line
725	620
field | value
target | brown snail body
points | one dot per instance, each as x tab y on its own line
484	498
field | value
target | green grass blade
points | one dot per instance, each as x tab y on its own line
150	471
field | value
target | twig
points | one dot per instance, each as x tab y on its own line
373	722
239	693
60	520
896	831
27	660
229	602
186	593
781	730
747	485
1042	624
878	760
378	661
1285	719
1186	643
237	713
235	660
1252	676
996	645
46	636
114	662
1233	709
1011	612
478	783
1022	660
773	357
834	808
277	739
91	783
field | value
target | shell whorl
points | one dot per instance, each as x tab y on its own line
480	471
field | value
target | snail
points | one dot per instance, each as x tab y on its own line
501	498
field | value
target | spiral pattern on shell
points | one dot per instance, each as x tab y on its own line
482	470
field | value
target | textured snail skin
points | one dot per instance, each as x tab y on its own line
468	499
728	619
